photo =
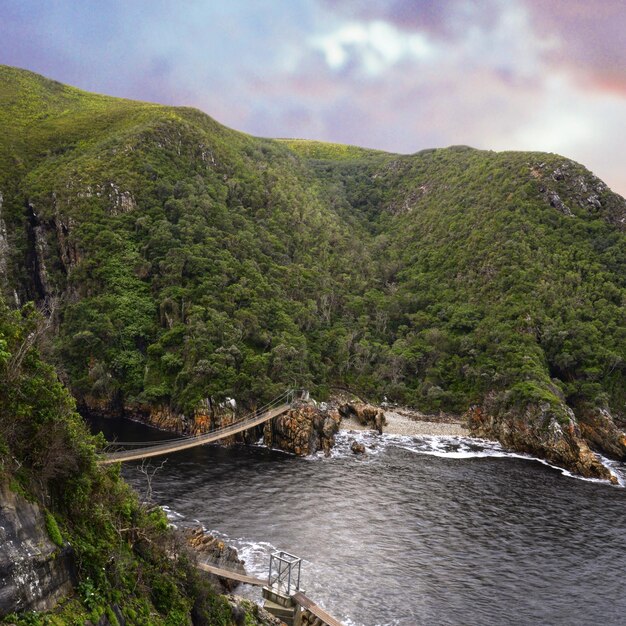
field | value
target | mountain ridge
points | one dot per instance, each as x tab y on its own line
192	262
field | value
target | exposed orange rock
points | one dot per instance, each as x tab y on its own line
304	430
365	414
537	431
216	552
599	429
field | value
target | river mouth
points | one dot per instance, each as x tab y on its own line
419	530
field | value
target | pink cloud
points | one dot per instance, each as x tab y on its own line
591	39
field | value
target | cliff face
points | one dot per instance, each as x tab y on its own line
536	431
304	430
599	428
34	573
4	247
205	418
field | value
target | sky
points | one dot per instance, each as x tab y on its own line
398	75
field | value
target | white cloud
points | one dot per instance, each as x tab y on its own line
375	46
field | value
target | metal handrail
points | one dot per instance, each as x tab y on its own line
252	415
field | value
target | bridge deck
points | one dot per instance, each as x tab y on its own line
192	442
238	576
302	600
318	611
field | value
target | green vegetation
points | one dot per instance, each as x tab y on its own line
53	529
322	150
191	261
180	261
124	551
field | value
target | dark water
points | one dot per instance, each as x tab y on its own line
419	531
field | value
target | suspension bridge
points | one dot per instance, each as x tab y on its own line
147	449
281	591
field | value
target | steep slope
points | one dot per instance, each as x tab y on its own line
72	531
191	259
500	286
187	262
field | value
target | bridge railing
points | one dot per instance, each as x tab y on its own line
287	397
283	402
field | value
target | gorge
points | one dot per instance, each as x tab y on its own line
155	264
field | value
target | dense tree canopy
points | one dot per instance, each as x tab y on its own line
192	261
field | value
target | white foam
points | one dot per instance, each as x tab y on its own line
171	515
617	468
454	447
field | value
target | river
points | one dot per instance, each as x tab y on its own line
419	530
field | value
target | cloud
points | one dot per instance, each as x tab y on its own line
590	39
376	45
503	81
400	75
440	17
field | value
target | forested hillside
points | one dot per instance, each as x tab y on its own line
119	555
185	262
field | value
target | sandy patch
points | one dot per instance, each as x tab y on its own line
403	425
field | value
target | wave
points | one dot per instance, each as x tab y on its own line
452	447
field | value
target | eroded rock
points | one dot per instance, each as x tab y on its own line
304	430
538	431
365	414
556	202
215	552
207	416
357	448
34	573
599	429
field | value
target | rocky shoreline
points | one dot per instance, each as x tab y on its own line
401	424
310	427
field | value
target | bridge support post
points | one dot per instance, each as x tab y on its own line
282	606
283	581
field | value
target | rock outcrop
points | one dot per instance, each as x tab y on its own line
365	414
202	421
207	416
34	573
357	448
217	553
599	429
584	190
304	430
538	432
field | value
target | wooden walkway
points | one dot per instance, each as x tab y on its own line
192	442
301	599
238	576
318	611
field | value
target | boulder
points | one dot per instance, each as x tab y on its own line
357	448
305	429
365	414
